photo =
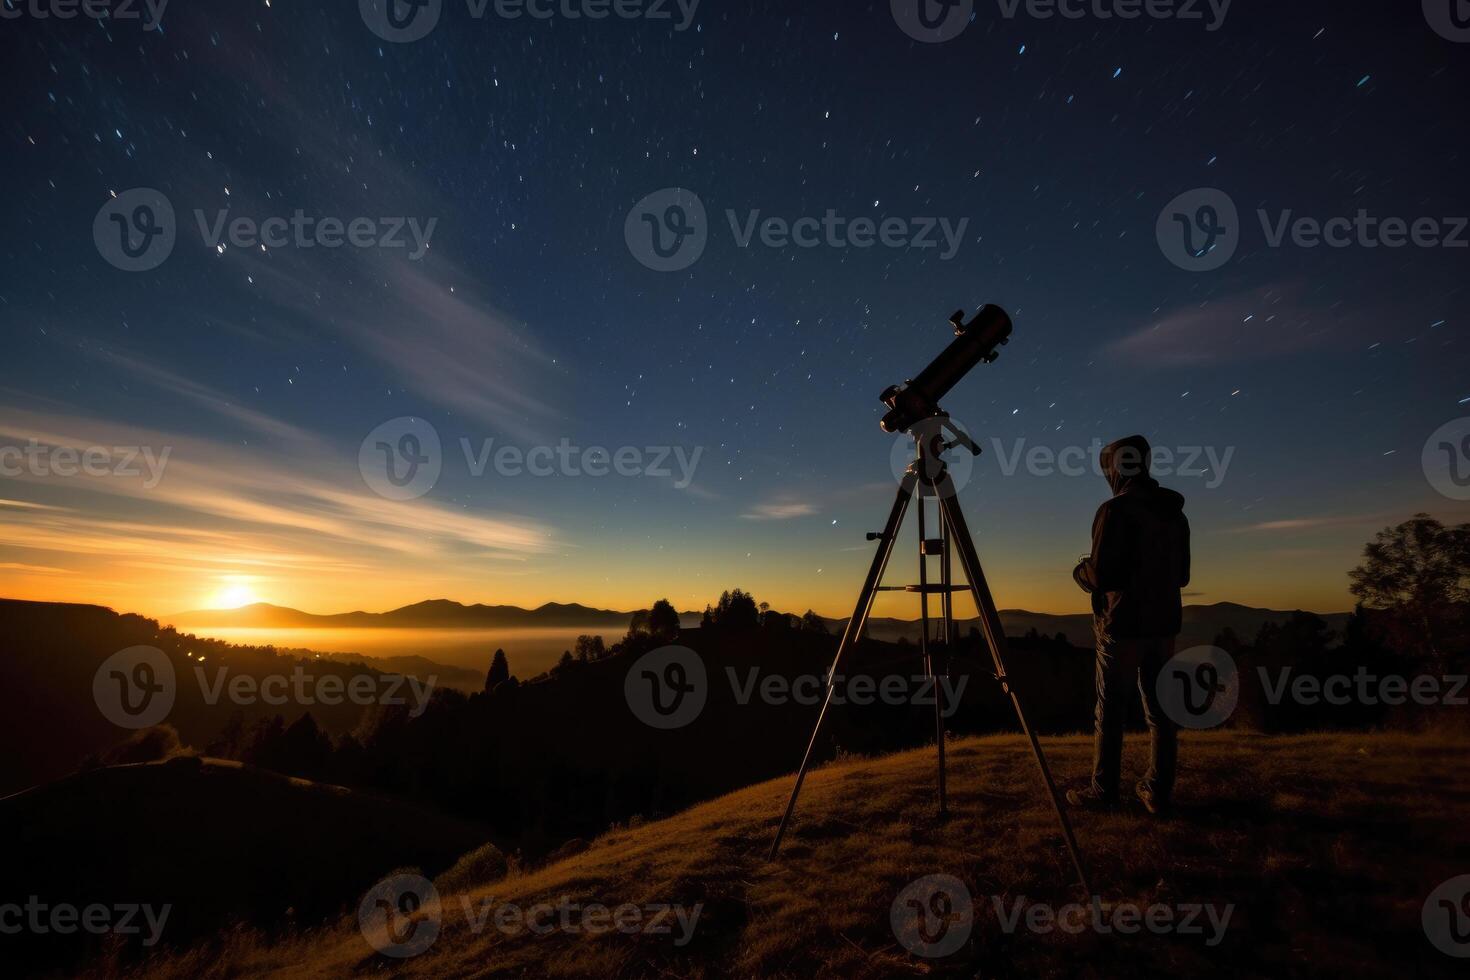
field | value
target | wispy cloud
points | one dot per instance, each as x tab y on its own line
1267	322
779	511
1312	523
219	506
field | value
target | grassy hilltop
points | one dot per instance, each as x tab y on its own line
1326	845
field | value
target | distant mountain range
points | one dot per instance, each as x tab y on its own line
1201	623
433	614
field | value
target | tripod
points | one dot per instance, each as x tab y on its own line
928	475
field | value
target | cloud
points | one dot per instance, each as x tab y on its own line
1264	323
779	512
220	506
1312	523
206	398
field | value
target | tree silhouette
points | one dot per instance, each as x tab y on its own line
499	671
663	621
736	612
590	648
812	623
1419	572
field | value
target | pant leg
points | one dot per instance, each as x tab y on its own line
1117	665
1163	731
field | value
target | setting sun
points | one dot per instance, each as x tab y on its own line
232	597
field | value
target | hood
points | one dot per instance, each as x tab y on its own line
1125	464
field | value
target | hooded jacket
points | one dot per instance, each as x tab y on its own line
1140	550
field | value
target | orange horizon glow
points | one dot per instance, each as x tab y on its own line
832	598
231	525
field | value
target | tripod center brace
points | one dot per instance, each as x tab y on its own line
914	409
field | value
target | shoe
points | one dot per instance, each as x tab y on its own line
1151	802
1090	799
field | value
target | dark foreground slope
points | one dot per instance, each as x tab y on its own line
1325	847
214	842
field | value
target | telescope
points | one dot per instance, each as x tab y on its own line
913	408
975	343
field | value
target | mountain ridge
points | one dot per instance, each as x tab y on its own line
1202	622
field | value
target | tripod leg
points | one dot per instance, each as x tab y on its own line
924	648
850	637
995	639
946	578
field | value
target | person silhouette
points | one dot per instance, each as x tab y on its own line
1138	566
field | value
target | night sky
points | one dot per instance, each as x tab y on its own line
1323	371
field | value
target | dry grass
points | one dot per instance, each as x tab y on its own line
1327	846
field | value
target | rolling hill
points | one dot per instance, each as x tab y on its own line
1321	849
